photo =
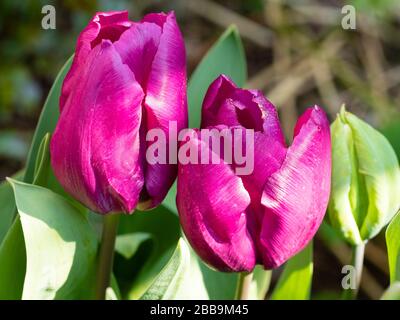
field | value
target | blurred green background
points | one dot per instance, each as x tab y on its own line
297	53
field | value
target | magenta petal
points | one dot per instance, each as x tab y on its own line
269	146
212	204
95	147
104	25
137	48
158	18
296	196
229	105
271	125
234	107
111	25
216	107
269	155
225	104
165	100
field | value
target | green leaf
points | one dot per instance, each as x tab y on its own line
392	293
44	176
47	121
260	283
42	163
393	248
12	263
7	209
114	286
226	56
180	278
110	294
60	244
219	285
136	274
295	281
170	200
392	132
127	244
87	288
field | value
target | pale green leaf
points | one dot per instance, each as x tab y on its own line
42	162
259	283
127	244
180	278
60	244
340	211
365	179
393	248
379	167
110	294
392	293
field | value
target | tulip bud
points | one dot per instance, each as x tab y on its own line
365	179
126	79
235	220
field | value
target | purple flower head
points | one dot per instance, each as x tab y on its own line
126	79
235	221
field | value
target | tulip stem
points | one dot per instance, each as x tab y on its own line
358	263
106	255
243	285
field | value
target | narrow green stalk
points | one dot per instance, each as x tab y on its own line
357	261
106	255
243	286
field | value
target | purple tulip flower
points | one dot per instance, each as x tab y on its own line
126	78
234	222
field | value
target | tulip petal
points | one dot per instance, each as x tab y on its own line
268	157
271	125
217	107
95	147
295	197
137	47
165	100
104	25
158	18
212	204
229	105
